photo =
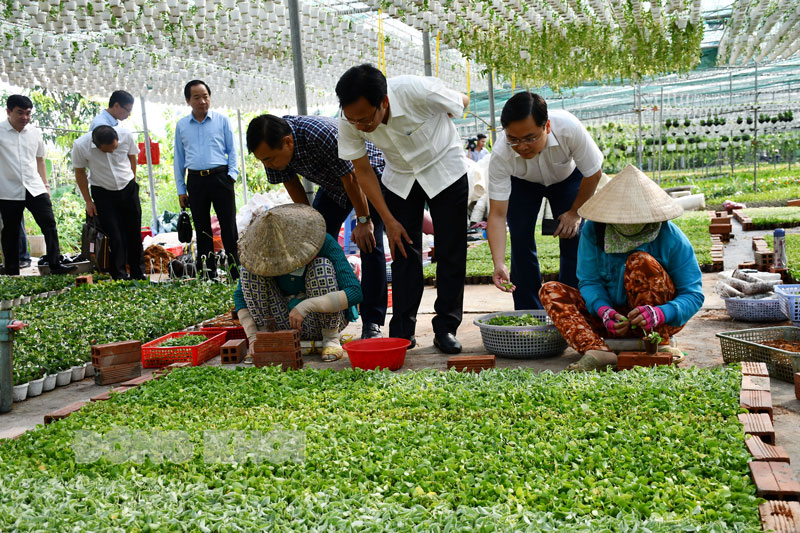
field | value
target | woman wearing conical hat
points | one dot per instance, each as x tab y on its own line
295	276
635	268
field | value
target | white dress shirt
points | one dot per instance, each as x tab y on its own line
111	171
18	153
419	142
569	145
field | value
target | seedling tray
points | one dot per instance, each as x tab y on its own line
155	356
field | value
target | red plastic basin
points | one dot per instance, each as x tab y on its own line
369	354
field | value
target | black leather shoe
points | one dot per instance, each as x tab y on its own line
370	331
24	264
413	340
447	343
62	269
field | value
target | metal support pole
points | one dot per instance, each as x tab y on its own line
491	106
639	114
154	224
426	52
242	149
755	133
299	76
730	145
660	124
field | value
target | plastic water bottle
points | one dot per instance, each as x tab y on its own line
780	248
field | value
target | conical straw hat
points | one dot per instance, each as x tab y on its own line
281	240
630	198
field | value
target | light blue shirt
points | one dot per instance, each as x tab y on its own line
476	155
104	119
601	275
202	146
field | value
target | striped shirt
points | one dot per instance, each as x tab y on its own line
316	157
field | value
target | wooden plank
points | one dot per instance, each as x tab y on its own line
756	401
780	517
12	433
765	452
752	368
64	412
755	383
759	425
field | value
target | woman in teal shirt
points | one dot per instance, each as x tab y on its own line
635	268
295	276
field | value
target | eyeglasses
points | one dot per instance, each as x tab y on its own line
530	139
362	121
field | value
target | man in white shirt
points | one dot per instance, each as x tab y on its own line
120	106
409	119
538	155
110	155
23	184
479	151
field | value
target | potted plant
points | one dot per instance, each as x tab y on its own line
651	342
64	377
78	371
20	385
49	382
36	386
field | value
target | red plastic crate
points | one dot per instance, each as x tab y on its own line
231	332
155	356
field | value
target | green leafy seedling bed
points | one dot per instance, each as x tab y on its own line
186	340
773	217
511	450
13	286
62	329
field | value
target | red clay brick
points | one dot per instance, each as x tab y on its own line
134	356
755	383
752	368
797	385
115	374
766	452
793	203
756	401
774	480
141	380
233	351
277	341
107	394
116	347
64	412
759	425
471	363
780	517
628	360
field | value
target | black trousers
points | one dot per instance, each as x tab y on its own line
373	264
120	215
42	210
449	213
217	190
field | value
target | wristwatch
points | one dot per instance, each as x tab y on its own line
363	219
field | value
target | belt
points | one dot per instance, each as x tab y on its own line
210	171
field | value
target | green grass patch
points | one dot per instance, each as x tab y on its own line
773	216
511	450
694	224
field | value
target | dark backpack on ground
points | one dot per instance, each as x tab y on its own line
95	244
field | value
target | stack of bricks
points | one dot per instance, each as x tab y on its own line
717	254
746	221
721	225
471	363
769	466
278	348
764	257
234	351
116	361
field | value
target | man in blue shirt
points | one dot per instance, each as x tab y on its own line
205	151
295	146
120	106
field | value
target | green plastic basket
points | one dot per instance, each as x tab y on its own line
744	345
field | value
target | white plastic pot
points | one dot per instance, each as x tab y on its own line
35	387
89	370
49	382
78	372
20	392
64	377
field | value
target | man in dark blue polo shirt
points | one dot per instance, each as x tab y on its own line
305	146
